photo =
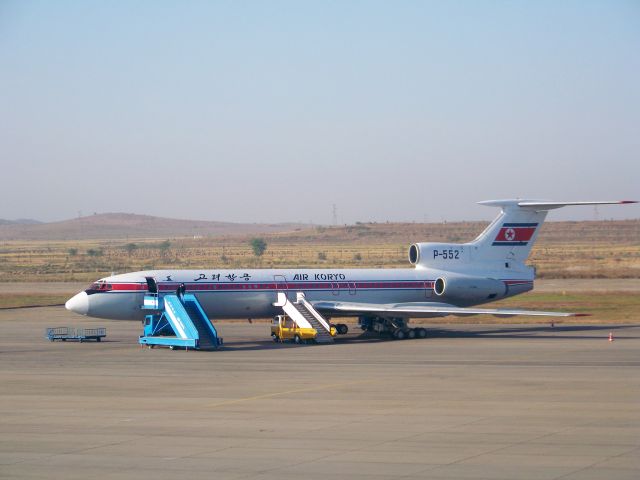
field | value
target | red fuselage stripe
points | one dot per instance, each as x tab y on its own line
196	286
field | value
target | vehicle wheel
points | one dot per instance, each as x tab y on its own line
297	339
342	329
98	339
399	334
275	338
171	347
411	333
421	332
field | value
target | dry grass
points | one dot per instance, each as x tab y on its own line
15	300
565	250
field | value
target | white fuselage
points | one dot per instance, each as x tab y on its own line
245	293
447	278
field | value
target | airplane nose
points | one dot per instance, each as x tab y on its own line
78	303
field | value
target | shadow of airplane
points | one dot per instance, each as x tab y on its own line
526	331
529	332
537	332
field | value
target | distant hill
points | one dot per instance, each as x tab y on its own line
126	225
19	221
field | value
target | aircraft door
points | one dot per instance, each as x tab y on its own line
335	288
352	288
428	289
152	286
282	285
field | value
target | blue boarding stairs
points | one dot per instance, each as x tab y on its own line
177	323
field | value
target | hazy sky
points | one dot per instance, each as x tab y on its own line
272	111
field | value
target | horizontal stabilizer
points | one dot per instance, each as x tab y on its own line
428	310
548	205
552	205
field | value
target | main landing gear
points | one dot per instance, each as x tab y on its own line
341	328
395	327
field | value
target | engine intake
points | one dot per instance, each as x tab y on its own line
414	254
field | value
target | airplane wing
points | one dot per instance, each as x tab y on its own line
418	310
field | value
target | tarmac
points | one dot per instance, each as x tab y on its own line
468	402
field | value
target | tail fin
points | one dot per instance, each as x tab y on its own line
512	234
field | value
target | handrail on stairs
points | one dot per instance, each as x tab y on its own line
300	298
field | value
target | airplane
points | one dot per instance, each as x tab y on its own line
446	279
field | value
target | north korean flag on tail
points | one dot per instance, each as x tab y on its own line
515	234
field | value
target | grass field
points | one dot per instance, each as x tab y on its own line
564	250
17	300
87	261
605	249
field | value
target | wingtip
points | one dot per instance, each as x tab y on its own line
628	201
581	314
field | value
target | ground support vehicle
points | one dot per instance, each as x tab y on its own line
69	333
283	329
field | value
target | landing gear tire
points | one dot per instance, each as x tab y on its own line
411	333
421	332
399	334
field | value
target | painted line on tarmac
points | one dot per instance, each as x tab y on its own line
289	392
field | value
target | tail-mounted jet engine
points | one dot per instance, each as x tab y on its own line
459	288
437	255
455	287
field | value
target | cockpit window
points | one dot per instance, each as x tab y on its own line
98	287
